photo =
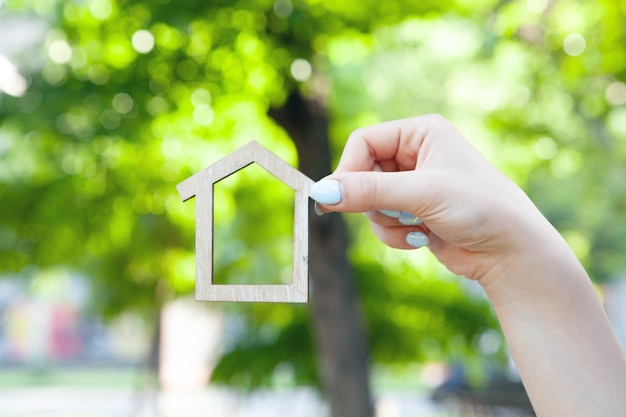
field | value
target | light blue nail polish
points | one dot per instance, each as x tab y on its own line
318	210
417	239
391	213
326	192
408	219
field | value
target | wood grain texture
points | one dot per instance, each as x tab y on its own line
201	185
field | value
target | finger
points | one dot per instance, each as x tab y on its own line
393	144
359	192
401	237
393	218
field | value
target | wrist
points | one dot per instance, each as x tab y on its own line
540	264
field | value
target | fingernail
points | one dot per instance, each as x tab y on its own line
318	210
408	219
391	213
417	239
326	192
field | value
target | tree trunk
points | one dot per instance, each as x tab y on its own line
339	331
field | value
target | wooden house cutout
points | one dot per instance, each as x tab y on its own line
201	186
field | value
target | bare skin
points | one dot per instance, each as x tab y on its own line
481	225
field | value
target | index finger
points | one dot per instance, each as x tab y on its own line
398	141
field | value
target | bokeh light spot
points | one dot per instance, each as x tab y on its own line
157	105
168	37
545	148
616	93
79	58
200	96
60	52
143	41
203	115
489	342
283	8
301	69
566	163
574	44
101	9
172	148
110	119
616	122
118	51
53	74
123	103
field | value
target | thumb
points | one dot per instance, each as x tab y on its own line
356	192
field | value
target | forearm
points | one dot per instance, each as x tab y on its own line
558	333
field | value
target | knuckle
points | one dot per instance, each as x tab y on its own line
370	192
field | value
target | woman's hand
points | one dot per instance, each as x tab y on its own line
421	169
481	225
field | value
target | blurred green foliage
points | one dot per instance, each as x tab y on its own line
133	96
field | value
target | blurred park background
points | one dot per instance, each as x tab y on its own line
105	105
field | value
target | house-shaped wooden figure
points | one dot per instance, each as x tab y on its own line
201	186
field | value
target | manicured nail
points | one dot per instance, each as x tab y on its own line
326	192
417	239
408	219
391	213
318	210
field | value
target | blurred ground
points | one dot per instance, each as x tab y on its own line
55	362
104	399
